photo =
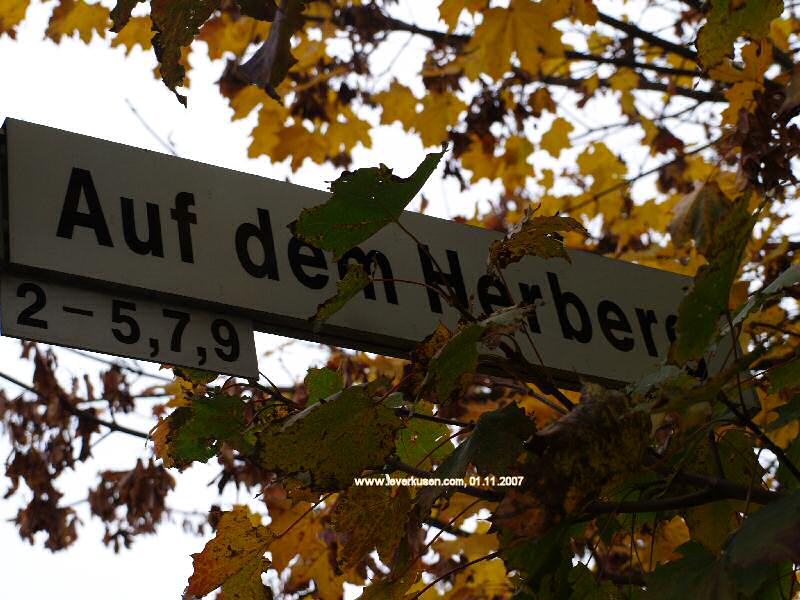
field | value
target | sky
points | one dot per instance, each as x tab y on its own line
98	91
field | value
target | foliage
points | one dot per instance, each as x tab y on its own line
682	485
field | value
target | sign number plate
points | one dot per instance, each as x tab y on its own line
123	325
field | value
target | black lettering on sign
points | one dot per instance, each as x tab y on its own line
263	234
366	260
530	294
646	321
612	319
436	278
670	323
81	184
39	300
298	260
583	333
492	294
154	244
184	218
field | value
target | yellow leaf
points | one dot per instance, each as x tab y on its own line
513	166
235	555
740	97
557	137
226	34
398	104
782	436
669	535
624	81
505	31
450	10
266	133
76	16
345	131
137	31
439	113
247	99
299	143
12	12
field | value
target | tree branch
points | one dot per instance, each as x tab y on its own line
81	414
652	39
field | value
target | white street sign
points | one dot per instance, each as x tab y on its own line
125	325
120	217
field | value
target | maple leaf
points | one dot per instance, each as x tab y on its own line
422	441
535	236
233	559
729	19
369	518
176	22
505	31
322	383
557	137
195	431
440	112
354	280
333	442
12	13
77	16
708	297
450	10
136	32
362	203
453	367
398	104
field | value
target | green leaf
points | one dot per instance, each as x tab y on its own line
727	20
321	384
536	236
698	575
453	368
586	587
331	442
771	535
355	280
363	202
197	376
420	438
493	447
786	478
368	518
545	562
195	432
708	297
176	23
785	376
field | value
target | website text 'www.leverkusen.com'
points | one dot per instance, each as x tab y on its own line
413	481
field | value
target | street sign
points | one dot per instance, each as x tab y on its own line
125	325
104	214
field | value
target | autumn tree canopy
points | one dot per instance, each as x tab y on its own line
654	131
